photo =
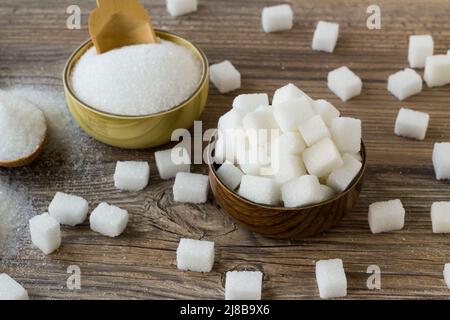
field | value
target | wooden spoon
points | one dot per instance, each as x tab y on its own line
118	23
27	159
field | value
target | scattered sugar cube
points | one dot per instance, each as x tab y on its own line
447	274
170	162
190	187
245	103
195	255
243	285
225	76
331	278
344	83
10	289
230	175
411	124
326	193
262	119
301	191
440	217
314	130
405	83
386	216
181	7
341	177
290	114
288	92
131	175
108	220
437	70
325	36
45	233
68	209
441	160
322	158
326	110
260	190
277	18
290	142
287	167
420	47
346	133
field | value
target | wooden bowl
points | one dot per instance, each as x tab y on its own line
281	222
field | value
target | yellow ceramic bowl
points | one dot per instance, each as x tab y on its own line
137	132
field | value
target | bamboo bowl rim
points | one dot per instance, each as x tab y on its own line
88	44
354	182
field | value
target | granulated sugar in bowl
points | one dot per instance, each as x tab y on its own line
135	96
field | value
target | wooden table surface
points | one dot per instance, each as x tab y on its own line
34	46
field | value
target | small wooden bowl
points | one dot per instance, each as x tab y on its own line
24	161
281	222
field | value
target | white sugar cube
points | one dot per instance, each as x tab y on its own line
301	191
441	160
245	103
287	167
325	36
440	217
437	70
170	162
45	233
254	161
357	156
131	175
260	119
322	158
447	274
288	92
181	7
225	76
341	177
230	175
346	133
290	114
331	279
108	220
411	124
261	190
229	145
326	110
195	255
190	187
277	18
68	209
243	285
386	216
326	193
405	83
314	130
290	142
420	47
344	83
231	120
10	289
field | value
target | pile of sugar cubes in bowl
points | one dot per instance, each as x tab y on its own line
295	152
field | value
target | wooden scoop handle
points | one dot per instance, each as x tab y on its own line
118	23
